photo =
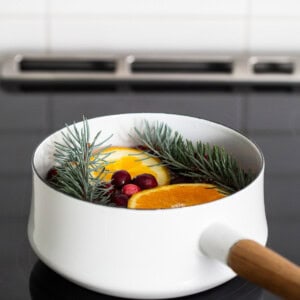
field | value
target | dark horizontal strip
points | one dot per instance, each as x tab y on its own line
181	67
52	86
181	87
146	87
40	65
113	87
273	68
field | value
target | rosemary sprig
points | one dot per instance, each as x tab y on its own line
76	161
199	161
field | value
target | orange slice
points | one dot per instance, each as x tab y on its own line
135	162
175	195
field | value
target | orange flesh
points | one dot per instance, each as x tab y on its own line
176	195
135	162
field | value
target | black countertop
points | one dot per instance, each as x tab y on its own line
271	117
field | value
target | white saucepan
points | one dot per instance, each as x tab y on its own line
160	253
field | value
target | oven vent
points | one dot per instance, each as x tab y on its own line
152	69
273	68
189	67
66	65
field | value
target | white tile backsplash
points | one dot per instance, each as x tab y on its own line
27	34
147	34
23	7
275	8
150	7
274	36
231	26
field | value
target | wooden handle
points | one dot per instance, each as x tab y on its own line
265	268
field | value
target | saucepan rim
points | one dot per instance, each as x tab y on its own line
219	124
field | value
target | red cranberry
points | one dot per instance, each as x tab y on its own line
51	174
145	181
120	199
130	189
120	178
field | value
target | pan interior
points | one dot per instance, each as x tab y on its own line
120	126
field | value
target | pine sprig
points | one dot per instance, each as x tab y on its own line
77	162
199	161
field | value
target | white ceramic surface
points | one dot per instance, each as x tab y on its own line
137	34
19	35
149	253
237	8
